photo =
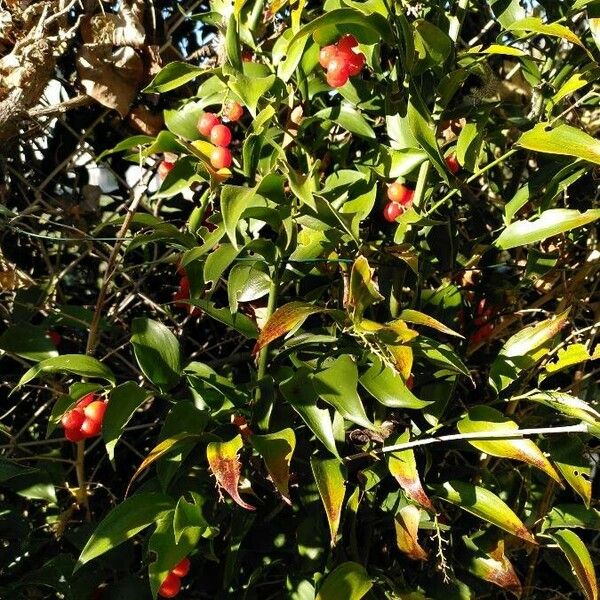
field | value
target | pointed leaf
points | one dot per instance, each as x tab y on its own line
572	515
403	466
536	25
419	318
349	581
580	560
330	475
483	504
276	450
406	524
123	522
568	454
225	465
488	419
568	405
363	290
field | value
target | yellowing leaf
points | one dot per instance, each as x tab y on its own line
330	476
406	523
536	25
483	504
568	454
419	318
488	419
580	560
225	466
403	466
363	290
567	357
276	450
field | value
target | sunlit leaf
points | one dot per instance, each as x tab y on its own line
406	523
329	473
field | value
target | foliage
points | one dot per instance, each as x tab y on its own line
330	405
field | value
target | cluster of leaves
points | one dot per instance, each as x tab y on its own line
356	423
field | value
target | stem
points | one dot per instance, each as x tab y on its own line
82	492
476	435
263	403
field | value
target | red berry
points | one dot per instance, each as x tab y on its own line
410	382
220	158
164	168
87	399
347	42
74	435
55	337
72	419
326	54
452	164
206	122
95	411
338	71
399	193
392	211
482	333
91	428
182	569
234	111
356	63
220	135
170	586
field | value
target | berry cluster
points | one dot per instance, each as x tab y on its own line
210	126
341	60
400	198
172	584
85	420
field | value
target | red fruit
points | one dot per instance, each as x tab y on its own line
326	54
164	168
410	382
399	193
55	337
87	399
452	164
95	411
392	211
482	333
206	123
347	42
338	71
220	158
356	63
74	435
72	419
181	569
220	135
234	111
91	428
170	586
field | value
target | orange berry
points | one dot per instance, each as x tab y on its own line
399	193
182	568
95	411
170	586
220	158
338	71
87	399
234	111
206	122
220	135
326	54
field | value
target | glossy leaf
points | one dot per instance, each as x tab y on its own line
568	454
174	75
123	522
226	467
536	25
157	352
348	581
276	450
483	504
403	467
363	289
330	475
419	318
568	405
29	341
580	560
75	364
572	516
488	419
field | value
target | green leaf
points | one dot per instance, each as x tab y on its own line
299	392
157	352
226	467
286	318
387	386
536	25
403	466
276	450
507	11
246	283
183	121
235	200
568	405
348	581
123	522
29	341
250	89
483	504
572	515
174	75
330	475
76	364
419	318
124	400
565	140
363	289
569	456
238	321
441	355
336	384
190	516
488	419
552	222
580	560
573	354
345	116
